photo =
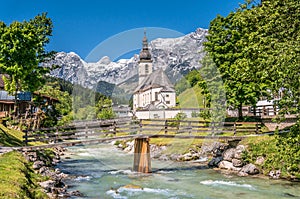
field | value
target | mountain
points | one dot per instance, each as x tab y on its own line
177	56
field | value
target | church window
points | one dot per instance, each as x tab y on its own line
156	96
146	68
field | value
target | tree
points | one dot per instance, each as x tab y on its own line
256	50
225	45
104	109
22	49
278	50
61	109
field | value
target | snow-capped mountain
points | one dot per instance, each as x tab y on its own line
176	56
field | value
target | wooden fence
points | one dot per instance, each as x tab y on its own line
105	128
190	127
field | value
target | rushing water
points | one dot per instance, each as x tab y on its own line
105	172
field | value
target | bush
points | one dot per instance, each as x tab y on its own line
281	152
205	114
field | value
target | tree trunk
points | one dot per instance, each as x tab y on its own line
240	111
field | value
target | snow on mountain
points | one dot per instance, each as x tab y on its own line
176	56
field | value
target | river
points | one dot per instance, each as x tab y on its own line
102	171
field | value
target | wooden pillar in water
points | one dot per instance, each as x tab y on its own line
142	161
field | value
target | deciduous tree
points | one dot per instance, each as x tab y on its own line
256	49
22	49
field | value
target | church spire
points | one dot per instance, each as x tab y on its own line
145	63
145	54
145	41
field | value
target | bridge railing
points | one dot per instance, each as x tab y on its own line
87	130
196	127
105	128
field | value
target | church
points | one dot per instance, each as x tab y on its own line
155	90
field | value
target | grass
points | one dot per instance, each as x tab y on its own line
191	98
256	139
17	180
11	137
178	146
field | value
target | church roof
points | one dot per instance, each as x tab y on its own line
155	80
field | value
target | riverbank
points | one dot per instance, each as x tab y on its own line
18	180
231	157
31	174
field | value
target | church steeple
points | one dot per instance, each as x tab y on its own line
145	54
145	63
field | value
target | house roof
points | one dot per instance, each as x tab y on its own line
155	80
4	96
45	96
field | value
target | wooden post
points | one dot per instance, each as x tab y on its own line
141	126
256	128
234	128
142	161
115	128
26	138
264	110
275	109
166	126
190	127
86	131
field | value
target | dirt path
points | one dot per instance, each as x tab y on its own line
7	149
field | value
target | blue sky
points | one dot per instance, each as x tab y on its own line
79	26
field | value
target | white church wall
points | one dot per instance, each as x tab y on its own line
164	114
170	98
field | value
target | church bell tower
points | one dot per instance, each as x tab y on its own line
145	63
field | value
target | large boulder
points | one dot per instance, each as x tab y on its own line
164	157
48	185
237	162
239	151
129	147
250	169
38	164
275	174
228	165
229	154
175	157
215	148
260	160
215	161
31	156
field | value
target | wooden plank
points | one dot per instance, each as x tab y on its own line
45	139
73	143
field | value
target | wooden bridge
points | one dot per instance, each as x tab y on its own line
99	131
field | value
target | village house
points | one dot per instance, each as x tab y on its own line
24	101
